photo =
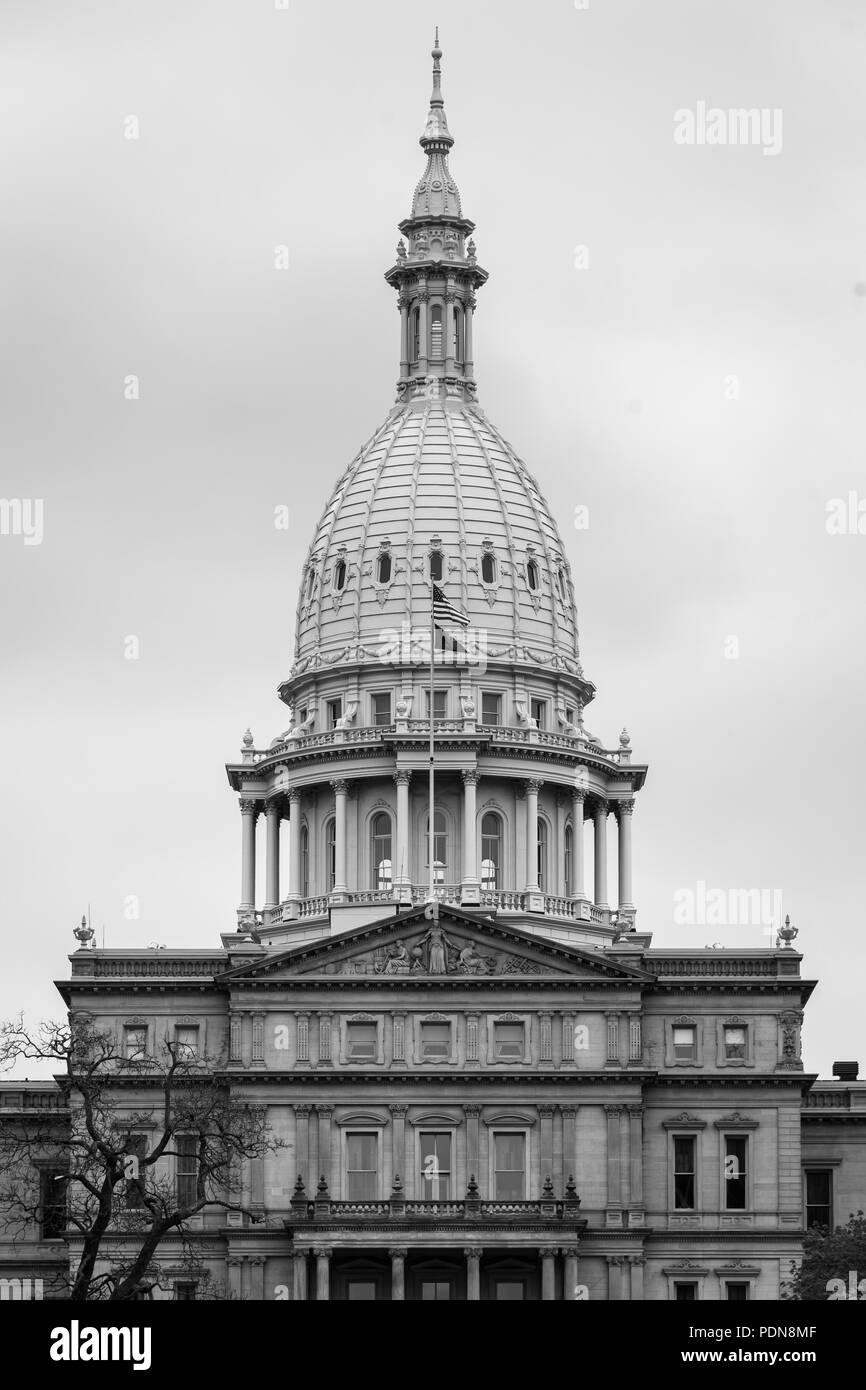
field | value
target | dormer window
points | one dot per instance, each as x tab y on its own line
488	568
532	575
340	576
383	568
436	565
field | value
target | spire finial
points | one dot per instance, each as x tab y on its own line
436	98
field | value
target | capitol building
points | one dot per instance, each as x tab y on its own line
488	1082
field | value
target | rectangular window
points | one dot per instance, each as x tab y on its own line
435	1152
569	713
736	1291
685	1291
819	1204
435	1290
133	1191
52	1200
538	711
335	713
491	708
685	1044
382	709
362	1042
508	1041
509	1170
736	1158
509	1291
135	1042
186	1042
685	1146
440	704
435	1040
187	1170
362	1167
361	1291
735	1043
185	1292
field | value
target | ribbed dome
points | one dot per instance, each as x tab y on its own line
439	477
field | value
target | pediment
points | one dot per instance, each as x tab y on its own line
456	944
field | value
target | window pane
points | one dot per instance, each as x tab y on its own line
735	1043
538	709
362	1039
187	1170
508	1175
818	1197
509	1291
435	1291
135	1042
362	1167
382	709
684	1044
685	1293
735	1172
435	1167
737	1293
186	1041
490	705
435	1039
508	1040
53	1199
684	1172
440	704
361	1290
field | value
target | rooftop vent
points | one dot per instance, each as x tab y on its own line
846	1071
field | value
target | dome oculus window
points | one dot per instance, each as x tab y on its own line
488	569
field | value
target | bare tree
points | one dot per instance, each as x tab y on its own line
118	1194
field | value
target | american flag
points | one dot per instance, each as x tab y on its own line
444	611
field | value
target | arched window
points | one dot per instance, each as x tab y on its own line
563	584
415	335
340	575
436	333
457	334
569	861
380	843
440	846
311	579
383	568
488	568
491	850
532	575
436	562
542	854
305	862
330	855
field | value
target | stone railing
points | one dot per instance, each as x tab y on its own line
443	893
93	963
23	1098
313	907
440	726
828	1100
398	1209
502	900
716	964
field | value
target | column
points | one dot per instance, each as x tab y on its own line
600	885
404	337
472	1113
548	1275
448	327
324	1113
546	1114
302	1155
471	885
402	878
578	797
323	1273
635	1116
294	850
533	787
614	1213
570	1275
635	1264
398	1272
257	1277
341	793
625	810
469	364
569	1140
423	297
235	1264
398	1143
249	810
614	1277
625	1158
473	1273
272	889
299	1279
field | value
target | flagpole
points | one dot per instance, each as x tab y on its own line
432	839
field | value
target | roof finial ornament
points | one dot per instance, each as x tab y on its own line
436	98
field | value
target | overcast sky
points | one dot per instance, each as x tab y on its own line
697	382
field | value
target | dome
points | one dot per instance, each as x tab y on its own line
437	479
